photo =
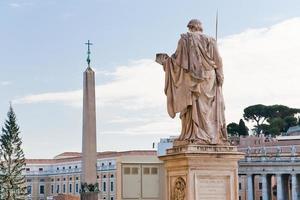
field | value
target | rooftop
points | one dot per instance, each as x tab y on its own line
293	129
76	156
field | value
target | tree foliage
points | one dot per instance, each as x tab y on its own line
281	111
233	129
243	129
12	160
237	129
257	113
273	119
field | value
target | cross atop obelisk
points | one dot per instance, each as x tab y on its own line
88	52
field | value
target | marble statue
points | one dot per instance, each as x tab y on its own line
263	151
248	151
193	86
278	151
293	150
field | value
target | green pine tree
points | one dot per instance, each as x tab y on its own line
12	160
243	129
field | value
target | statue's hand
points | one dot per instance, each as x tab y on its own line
161	58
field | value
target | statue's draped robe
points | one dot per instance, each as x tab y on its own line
191	76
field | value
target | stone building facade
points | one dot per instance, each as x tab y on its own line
120	175
271	168
270	171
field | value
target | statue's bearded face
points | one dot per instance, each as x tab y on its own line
195	28
195	25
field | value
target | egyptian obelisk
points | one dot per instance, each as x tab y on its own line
89	146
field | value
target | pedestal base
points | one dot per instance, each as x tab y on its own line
89	196
202	172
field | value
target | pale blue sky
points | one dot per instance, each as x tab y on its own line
42	51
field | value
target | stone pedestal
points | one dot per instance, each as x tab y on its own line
201	172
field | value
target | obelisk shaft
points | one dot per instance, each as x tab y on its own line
89	147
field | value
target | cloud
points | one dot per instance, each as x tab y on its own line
71	98
5	83
20	3
163	126
15	5
260	66
136	86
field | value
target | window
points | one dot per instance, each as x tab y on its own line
135	170
52	189
104	186
154	170
57	168
76	188
70	188
240	198
28	180
70	178
64	168
27	169
97	176
240	186
41	169
70	167
52	179
42	189
260	198
111	176
111	198
75	166
58	179
109	163
111	186
102	164
104	176
77	178
42	180
64	179
57	189
260	186
29	189
64	188
126	170
146	170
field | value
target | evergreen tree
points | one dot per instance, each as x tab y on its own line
12	160
243	129
233	129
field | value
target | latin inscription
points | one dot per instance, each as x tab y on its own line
212	188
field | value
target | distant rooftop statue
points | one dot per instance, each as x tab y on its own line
278	151
293	150
263	151
248	150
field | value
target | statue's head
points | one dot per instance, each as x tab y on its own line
195	25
